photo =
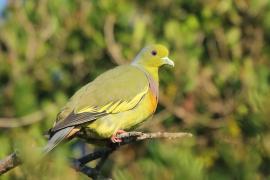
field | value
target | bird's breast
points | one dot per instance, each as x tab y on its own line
152	101
153	94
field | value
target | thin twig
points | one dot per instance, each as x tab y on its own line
93	156
88	171
13	160
142	136
80	164
178	111
114	49
22	121
9	163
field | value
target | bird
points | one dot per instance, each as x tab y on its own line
116	101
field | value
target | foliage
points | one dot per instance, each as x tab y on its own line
219	86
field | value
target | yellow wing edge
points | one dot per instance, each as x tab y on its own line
115	107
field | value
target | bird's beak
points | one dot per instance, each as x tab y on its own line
168	61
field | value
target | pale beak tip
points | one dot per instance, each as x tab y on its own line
172	63
168	61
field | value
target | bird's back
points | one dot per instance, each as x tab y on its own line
120	83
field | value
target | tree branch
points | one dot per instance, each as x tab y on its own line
9	163
22	121
114	49
13	160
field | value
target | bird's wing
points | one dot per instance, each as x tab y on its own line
114	91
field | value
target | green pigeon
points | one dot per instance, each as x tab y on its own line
117	100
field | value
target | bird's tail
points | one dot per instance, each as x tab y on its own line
56	139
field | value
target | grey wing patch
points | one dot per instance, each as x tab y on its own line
75	119
56	139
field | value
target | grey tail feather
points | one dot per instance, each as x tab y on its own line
56	139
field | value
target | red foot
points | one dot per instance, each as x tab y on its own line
114	137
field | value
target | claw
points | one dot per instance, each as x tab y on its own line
114	137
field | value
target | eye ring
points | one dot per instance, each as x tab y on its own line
154	52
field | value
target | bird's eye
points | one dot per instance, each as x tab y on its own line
154	52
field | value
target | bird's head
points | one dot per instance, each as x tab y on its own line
153	56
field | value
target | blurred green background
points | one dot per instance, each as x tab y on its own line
218	90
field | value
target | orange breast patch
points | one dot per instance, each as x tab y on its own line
153	101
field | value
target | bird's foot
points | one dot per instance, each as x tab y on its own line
114	137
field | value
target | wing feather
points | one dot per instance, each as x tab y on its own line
75	119
115	91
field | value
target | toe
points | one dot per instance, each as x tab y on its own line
114	139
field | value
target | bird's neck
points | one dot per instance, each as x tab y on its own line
151	72
152	75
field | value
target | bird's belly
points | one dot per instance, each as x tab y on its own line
106	126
